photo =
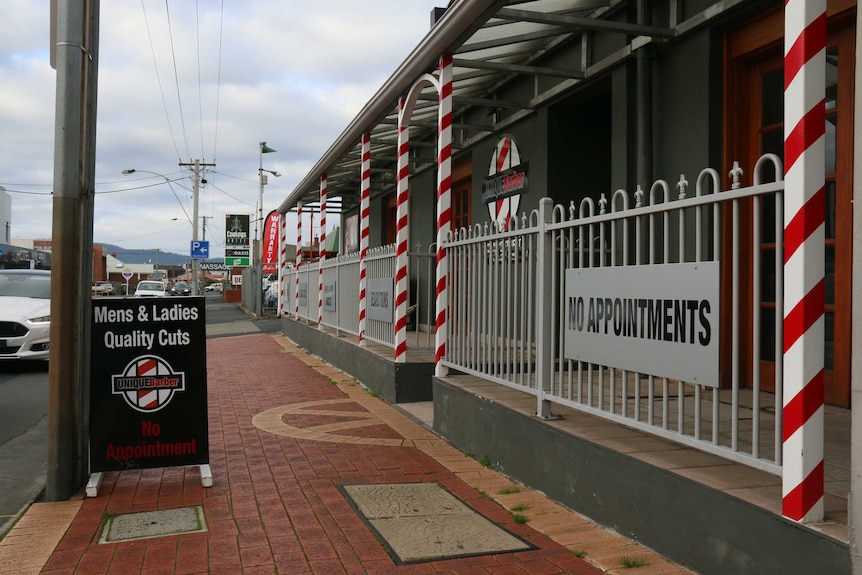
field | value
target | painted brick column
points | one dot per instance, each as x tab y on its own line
804	233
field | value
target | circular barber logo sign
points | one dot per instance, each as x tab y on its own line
148	383
505	156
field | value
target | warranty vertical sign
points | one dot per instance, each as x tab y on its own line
148	395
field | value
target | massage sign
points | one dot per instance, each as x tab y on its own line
148	396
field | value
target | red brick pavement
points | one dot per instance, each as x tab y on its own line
275	506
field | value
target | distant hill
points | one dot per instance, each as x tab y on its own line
131	256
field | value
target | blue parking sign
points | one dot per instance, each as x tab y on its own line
200	249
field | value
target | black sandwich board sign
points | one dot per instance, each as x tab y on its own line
148	390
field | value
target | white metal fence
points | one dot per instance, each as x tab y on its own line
507	314
341	294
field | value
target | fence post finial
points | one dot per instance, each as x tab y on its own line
735	174
603	204
639	197
682	186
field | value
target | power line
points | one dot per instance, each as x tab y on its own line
177	82
218	82
159	80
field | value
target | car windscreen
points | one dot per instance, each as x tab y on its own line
152	286
25	285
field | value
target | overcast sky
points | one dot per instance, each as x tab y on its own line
181	80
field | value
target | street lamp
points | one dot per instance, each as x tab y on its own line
193	220
169	181
258	251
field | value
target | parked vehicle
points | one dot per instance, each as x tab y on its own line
216	287
25	313
181	288
103	288
150	288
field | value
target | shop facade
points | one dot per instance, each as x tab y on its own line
598	206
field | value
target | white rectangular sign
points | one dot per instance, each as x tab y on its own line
302	298
659	320
329	293
380	304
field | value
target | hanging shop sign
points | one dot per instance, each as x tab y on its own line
507	180
148	390
659	320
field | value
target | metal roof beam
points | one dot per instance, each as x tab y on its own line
580	23
518	68
507	40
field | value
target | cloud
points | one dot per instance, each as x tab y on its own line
195	82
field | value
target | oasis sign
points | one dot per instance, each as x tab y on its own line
659	320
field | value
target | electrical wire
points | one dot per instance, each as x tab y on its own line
218	81
177	82
200	95
159	80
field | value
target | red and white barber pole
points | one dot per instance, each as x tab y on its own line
804	233
505	156
401	239
282	276
364	226
298	255
444	209
322	248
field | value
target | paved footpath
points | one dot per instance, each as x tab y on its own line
286	431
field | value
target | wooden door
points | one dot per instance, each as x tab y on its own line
754	126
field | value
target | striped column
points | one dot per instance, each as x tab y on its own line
364	225
804	233
322	248
401	235
282	265
444	209
298	255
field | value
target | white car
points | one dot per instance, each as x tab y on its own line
25	314
150	288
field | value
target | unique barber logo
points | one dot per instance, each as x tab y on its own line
148	383
505	182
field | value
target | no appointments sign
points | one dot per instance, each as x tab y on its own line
148	390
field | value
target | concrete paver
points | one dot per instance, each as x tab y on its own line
275	505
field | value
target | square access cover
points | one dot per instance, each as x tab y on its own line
146	524
425	522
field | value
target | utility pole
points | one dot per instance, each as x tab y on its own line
195	189
74	50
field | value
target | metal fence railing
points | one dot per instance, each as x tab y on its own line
340	301
543	307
